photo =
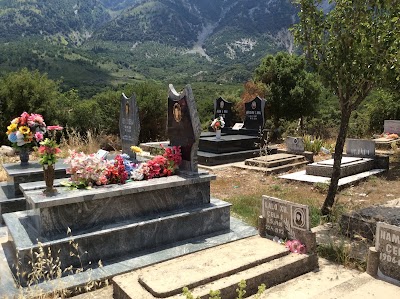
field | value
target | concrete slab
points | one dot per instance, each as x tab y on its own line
219	268
310	284
170	277
274	157
303	177
345	160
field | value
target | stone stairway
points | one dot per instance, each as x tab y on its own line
276	163
256	260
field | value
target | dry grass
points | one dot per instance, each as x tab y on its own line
244	189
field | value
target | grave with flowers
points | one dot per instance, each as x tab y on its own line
26	132
232	144
124	213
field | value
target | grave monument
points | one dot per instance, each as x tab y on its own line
254	114
358	162
126	226
384	258
223	108
129	124
286	220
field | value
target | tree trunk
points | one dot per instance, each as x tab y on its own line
330	197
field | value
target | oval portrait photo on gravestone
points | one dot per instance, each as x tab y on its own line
299	217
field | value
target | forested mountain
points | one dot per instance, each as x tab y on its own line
183	40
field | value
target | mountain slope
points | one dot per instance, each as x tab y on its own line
72	19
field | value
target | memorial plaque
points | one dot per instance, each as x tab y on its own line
129	124
223	108
254	114
184	126
387	243
283	217
360	148
391	126
294	144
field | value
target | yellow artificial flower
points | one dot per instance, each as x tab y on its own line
12	127
24	130
136	149
15	120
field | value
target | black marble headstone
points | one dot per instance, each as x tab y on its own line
254	114
223	108
184	126
129	124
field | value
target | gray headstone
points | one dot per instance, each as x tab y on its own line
223	108
183	126
391	126
294	144
387	243
360	147
282	217
254	114
129	124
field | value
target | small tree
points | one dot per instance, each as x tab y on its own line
293	90
352	47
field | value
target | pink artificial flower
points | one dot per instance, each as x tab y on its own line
38	136
56	128
24	118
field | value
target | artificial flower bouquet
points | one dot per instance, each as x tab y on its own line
26	130
218	123
159	166
387	135
49	148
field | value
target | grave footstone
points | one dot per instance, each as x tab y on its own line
129	124
294	144
360	148
387	243
223	108
254	114
184	126
287	220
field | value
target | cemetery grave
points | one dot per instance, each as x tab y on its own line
390	136
292	157
126	226
235	144
359	162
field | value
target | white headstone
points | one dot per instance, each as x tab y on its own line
387	243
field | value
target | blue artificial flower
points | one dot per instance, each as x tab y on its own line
13	137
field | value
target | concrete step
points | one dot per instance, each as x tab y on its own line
125	237
256	260
274	162
278	169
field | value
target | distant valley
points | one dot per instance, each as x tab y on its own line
95	43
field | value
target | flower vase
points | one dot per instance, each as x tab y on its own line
48	171
24	156
218	134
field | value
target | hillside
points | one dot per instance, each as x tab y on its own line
124	40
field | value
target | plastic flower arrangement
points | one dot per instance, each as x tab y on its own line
86	170
26	130
159	166
296	246
49	148
218	123
116	172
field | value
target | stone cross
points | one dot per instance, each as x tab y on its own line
129	124
183	126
